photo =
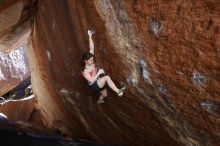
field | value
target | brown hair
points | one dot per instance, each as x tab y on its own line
86	56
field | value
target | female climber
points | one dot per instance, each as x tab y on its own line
96	79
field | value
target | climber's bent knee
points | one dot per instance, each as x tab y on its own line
102	81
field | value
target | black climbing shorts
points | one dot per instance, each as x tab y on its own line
95	87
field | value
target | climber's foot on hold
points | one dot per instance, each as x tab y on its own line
100	101
121	91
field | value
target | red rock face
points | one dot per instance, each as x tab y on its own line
165	51
18	110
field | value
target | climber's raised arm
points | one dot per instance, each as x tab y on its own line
91	44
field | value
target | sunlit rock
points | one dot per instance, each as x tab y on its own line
3	116
14	69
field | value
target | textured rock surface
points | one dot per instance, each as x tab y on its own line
166	51
13	69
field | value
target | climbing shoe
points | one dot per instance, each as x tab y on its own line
100	101
121	91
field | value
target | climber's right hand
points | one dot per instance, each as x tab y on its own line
90	33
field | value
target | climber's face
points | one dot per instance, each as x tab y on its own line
90	61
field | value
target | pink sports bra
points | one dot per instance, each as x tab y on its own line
92	70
